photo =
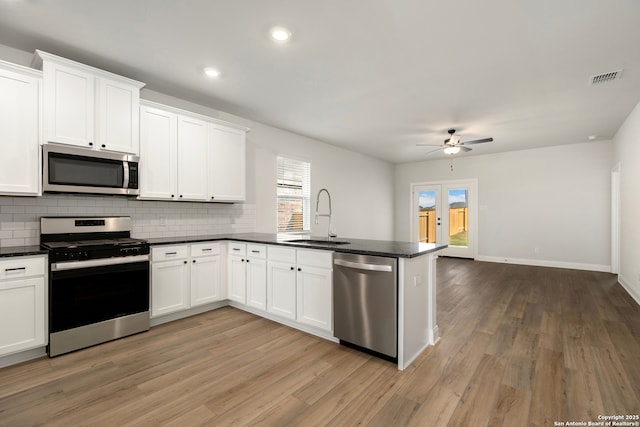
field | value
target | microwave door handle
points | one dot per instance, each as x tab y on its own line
125	165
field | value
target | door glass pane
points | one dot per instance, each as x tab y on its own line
458	217
427	216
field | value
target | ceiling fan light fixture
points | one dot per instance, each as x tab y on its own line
454	140
452	150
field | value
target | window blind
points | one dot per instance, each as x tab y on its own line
294	195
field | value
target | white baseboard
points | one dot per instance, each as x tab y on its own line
546	263
23	356
626	284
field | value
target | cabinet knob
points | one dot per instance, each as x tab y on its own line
173	195
242	260
291	268
213	197
91	144
299	269
185	262
194	261
247	260
180	196
103	146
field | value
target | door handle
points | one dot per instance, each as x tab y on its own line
363	266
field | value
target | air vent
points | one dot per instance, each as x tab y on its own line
605	77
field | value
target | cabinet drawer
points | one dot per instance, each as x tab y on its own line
282	254
18	267
167	253
311	258
237	248
257	251
205	249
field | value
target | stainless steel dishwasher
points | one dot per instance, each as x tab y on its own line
365	302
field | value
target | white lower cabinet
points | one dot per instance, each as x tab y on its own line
23	309
299	285
185	276
206	268
237	277
247	274
169	279
281	281
257	276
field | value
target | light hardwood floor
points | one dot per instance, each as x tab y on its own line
520	346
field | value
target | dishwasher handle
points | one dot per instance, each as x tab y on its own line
363	266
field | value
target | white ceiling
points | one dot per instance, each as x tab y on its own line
374	76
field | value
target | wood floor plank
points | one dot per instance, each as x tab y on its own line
511	407
476	404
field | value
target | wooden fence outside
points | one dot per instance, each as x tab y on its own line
458	223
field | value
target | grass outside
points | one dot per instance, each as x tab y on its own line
460	239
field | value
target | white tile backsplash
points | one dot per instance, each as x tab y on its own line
20	216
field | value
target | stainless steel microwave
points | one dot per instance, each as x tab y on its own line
80	170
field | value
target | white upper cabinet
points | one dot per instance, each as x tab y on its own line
192	158
185	156
19	130
87	107
158	153
227	160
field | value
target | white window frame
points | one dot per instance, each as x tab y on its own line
301	171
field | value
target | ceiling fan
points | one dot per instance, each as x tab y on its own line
452	145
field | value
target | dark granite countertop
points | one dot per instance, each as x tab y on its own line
21	251
356	246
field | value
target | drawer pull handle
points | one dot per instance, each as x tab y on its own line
256	252
9	270
236	249
171	253
207	250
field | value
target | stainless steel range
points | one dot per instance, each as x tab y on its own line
98	281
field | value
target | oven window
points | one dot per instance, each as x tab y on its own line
66	169
90	295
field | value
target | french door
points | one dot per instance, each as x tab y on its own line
446	213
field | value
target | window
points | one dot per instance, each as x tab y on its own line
294	195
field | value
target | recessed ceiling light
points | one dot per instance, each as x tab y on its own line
212	72
280	34
592	137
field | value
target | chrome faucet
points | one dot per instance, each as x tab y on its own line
330	233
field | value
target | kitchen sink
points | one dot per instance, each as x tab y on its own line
319	242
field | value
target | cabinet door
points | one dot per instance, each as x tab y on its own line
117	117
281	289
158	153
22	315
205	280
192	159
257	283
237	279
19	124
68	105
169	287
226	163
315	297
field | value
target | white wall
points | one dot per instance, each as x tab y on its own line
626	144
361	187
555	199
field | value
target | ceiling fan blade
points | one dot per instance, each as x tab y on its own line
464	148
477	141
433	151
429	145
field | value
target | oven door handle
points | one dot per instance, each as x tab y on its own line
75	265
